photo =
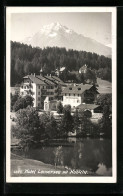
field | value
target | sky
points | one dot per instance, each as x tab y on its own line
94	25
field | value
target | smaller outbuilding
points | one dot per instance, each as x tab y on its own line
83	69
96	110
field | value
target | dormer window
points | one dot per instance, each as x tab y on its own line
79	89
70	88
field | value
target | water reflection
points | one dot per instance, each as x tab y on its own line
72	139
103	170
59	157
91	154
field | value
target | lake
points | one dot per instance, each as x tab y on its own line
94	155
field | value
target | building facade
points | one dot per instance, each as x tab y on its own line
40	87
77	94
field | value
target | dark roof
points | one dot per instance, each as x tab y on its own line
34	79
51	79
87	106
47	81
58	80
79	89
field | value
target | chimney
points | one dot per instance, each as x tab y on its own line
50	75
34	74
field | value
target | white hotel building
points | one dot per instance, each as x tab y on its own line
40	87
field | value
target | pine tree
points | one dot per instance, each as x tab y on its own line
59	107
76	121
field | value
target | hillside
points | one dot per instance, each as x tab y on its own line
26	60
104	86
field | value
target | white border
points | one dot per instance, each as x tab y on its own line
9	11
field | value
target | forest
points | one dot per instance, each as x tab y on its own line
26	60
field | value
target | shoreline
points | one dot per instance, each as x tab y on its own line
23	167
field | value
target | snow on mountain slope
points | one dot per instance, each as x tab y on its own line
58	35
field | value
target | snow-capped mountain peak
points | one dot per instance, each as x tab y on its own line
56	34
54	27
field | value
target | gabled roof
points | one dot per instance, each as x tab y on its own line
51	79
47	81
58	80
62	68
83	67
79	89
34	79
87	106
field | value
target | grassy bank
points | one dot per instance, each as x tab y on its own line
22	167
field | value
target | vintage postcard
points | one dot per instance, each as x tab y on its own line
61	94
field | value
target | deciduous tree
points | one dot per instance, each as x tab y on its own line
28	127
23	102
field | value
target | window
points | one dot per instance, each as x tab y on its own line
65	94
74	94
39	99
38	87
43	87
24	87
38	93
70	88
79	89
50	98
69	94
38	104
78	95
22	93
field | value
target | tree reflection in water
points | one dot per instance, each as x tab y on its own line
103	170
58	160
90	154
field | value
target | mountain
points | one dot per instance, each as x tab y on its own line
58	35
